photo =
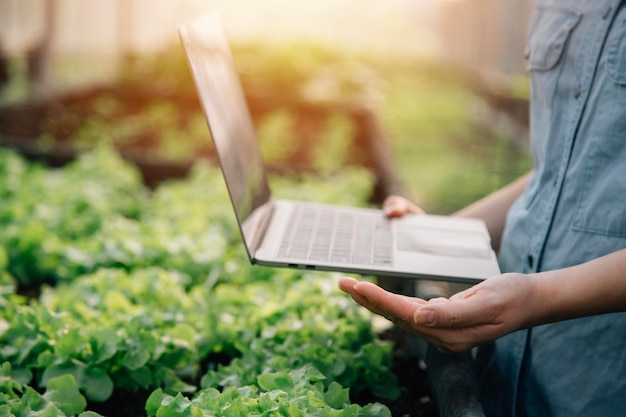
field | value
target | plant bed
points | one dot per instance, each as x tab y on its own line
164	135
120	300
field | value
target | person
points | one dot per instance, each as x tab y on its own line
551	330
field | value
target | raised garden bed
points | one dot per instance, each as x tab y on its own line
132	121
125	296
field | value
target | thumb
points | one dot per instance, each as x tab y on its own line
448	315
426	316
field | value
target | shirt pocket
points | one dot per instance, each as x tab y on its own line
601	207
549	33
550	29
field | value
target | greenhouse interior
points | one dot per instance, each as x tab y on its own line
125	289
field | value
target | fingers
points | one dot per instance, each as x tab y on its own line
349	285
346	285
396	206
411	312
397	308
403	311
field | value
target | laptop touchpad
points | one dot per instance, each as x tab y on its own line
434	241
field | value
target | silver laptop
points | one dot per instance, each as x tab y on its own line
293	234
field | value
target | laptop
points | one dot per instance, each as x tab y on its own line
316	236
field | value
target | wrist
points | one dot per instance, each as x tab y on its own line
540	300
552	297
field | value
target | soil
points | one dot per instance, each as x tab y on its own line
416	399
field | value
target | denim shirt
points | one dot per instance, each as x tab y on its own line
573	210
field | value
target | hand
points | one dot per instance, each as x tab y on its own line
480	314
396	206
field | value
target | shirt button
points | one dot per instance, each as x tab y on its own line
531	261
578	91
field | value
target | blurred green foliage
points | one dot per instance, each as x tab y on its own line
445	157
301	95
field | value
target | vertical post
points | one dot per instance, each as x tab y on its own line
514	20
41	59
125	27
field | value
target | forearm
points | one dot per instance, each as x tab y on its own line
595	287
494	208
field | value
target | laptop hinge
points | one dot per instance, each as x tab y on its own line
259	227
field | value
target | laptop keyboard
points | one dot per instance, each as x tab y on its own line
319	234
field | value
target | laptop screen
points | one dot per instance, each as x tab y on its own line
219	89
